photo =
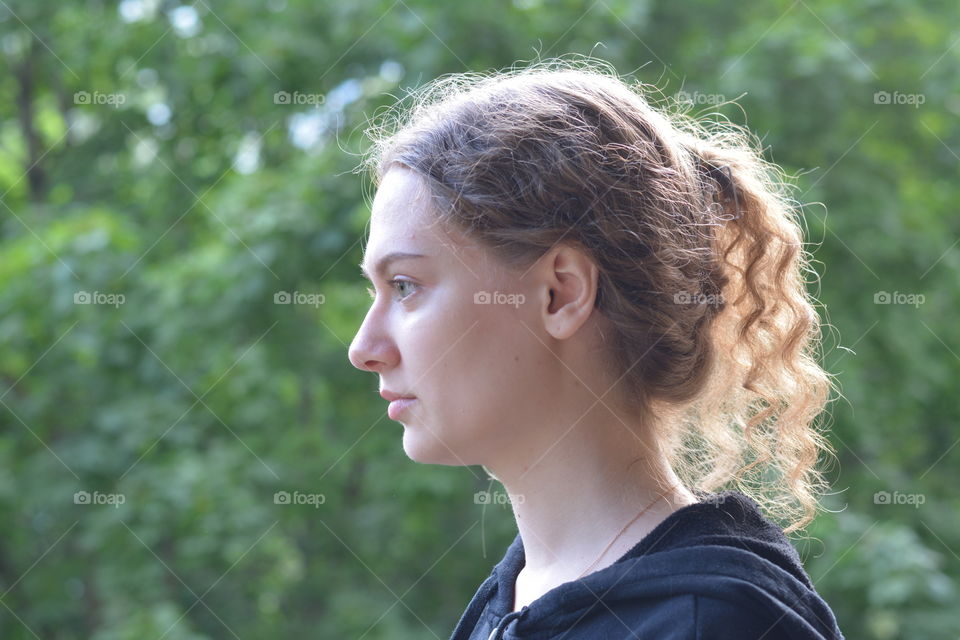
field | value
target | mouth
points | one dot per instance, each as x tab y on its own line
398	406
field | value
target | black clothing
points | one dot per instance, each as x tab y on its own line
714	570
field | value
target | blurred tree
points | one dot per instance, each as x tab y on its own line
187	452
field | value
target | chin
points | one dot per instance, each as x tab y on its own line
429	450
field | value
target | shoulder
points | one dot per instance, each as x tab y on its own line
720	619
685	606
699	617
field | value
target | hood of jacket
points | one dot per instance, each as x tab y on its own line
716	569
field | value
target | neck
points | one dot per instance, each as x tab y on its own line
573	497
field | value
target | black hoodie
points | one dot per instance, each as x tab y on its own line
714	570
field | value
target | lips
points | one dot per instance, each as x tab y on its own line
398	402
390	396
398	406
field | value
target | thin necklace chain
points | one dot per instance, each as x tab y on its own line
635	518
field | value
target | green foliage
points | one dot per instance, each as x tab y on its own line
181	169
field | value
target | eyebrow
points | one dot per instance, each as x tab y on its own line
385	261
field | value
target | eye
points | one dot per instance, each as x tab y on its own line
394	284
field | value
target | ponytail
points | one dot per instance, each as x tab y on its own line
771	391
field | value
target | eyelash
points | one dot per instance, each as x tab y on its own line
393	283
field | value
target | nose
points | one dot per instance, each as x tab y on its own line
371	349
361	359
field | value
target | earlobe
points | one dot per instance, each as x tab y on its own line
557	321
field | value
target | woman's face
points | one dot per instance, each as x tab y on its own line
453	329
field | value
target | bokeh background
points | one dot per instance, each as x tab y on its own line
185	450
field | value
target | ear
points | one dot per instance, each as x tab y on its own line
570	278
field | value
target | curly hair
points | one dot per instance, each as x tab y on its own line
697	244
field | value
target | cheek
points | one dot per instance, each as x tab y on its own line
468	358
494	368
483	378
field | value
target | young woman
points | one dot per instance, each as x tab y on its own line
602	304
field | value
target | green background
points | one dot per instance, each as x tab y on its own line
146	153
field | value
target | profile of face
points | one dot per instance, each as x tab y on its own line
476	344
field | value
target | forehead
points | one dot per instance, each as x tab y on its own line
401	218
402	200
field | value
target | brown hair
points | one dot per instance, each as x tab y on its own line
697	244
